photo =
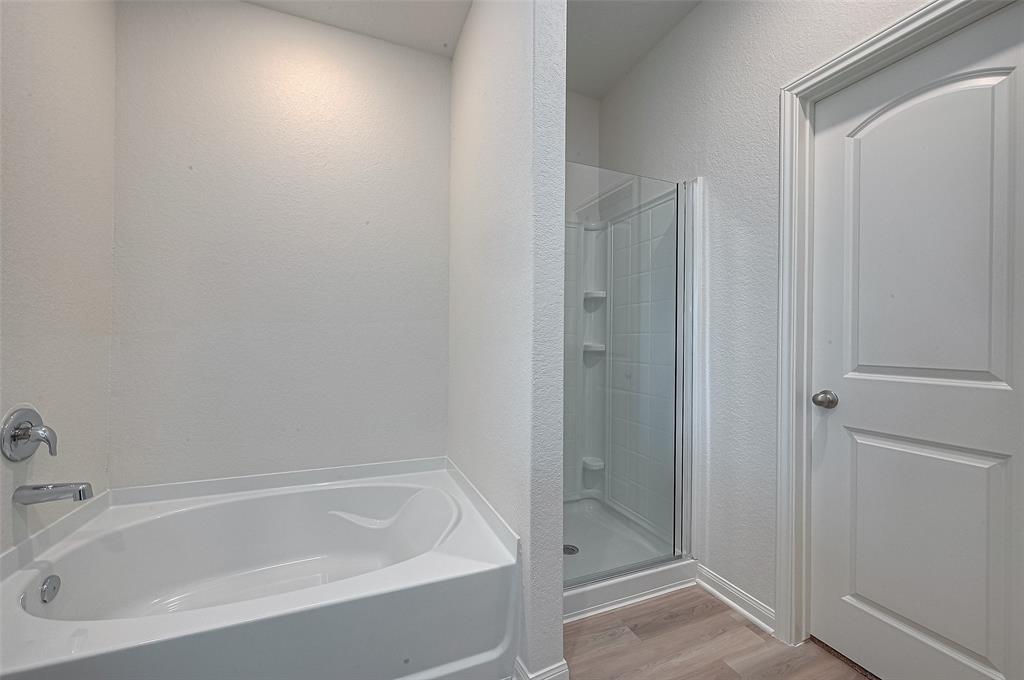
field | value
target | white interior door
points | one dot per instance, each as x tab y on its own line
917	498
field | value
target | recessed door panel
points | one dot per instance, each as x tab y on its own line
927	178
936	513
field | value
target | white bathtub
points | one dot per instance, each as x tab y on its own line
361	573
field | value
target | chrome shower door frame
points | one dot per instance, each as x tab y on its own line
688	212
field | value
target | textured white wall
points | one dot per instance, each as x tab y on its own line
490	308
506	257
280	255
544	604
56	228
582	141
705	102
582	128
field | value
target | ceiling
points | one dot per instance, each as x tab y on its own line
428	25
606	38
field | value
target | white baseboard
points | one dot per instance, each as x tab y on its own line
758	612
596	598
559	671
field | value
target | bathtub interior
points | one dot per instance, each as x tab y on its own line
244	548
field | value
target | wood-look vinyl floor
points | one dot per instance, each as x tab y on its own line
690	635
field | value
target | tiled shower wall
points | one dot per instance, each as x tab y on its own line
642	381
586	257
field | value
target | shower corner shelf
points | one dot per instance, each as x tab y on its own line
595	294
593	347
593	463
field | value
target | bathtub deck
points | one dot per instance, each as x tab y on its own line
690	635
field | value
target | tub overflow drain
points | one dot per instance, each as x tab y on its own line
48	591
569	549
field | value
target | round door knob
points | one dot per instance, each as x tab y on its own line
825	399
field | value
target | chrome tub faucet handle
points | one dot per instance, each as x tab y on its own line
22	432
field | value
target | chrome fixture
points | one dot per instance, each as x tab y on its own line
825	399
22	433
30	494
51	586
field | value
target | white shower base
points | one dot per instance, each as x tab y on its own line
607	540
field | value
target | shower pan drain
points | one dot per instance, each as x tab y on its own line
569	549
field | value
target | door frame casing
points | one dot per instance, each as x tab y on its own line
927	25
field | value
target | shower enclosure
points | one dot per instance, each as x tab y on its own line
625	453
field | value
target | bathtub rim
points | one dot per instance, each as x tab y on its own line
26	551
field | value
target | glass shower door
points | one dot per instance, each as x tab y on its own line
622	460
